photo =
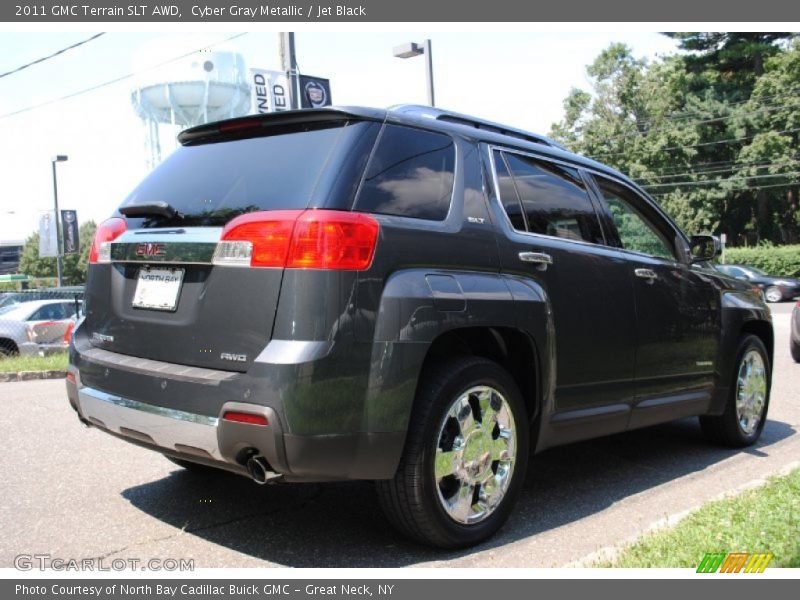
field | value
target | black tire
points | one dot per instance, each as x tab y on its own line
8	348
725	429
411	500
775	292
794	348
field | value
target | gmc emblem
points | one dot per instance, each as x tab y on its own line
150	249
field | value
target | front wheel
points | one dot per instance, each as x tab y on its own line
794	348
746	409
773	294
465	456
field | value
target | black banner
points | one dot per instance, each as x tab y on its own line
69	232
365	11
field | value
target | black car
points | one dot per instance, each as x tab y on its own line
776	289
410	296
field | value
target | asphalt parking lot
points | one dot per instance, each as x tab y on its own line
77	493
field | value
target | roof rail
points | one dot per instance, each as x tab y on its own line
468	121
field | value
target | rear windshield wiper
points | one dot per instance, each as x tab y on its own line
151	209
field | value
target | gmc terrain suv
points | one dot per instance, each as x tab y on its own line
409	296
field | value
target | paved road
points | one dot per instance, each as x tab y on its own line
74	493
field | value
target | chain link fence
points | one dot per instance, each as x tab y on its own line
38	322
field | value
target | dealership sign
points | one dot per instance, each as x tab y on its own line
48	234
270	91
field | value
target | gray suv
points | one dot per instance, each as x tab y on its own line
409	296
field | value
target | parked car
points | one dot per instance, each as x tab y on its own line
794	338
409	296
776	289
65	292
30	327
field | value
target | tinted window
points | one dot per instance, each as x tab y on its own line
636	232
410	175
211	183
508	193
554	199
53	312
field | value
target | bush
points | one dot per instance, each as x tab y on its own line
781	261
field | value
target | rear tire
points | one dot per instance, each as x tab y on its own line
465	456
745	412
794	348
8	348
773	294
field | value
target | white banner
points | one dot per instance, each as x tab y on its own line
48	234
270	91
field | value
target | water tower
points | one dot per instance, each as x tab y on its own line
206	85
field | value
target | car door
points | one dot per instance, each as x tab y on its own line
677	305
551	234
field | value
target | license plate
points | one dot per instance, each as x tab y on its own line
158	289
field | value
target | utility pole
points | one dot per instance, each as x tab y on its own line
59	265
289	66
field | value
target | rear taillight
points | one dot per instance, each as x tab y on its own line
243	417
107	232
68	332
309	239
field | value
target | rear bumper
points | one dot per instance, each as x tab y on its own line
34	349
128	398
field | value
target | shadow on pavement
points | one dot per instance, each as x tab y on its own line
341	525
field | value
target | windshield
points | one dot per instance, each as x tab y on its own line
756	271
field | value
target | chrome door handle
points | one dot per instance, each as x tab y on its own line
648	274
540	259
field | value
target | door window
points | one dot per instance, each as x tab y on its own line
636	232
553	197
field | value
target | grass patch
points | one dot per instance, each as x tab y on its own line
54	362
766	519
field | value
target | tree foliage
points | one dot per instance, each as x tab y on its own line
711	132
74	265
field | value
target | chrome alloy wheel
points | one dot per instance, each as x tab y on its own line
475	452
751	391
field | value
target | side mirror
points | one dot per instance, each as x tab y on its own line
703	248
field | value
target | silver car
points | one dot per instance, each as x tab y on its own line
34	327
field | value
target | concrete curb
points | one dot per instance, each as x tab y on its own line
32	375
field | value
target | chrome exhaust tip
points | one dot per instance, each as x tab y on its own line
258	469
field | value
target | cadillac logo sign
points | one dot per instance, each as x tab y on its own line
316	92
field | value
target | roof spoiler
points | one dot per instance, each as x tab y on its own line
217	129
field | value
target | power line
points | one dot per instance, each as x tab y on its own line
743	189
717	181
49	56
725	141
736	166
705	121
117	80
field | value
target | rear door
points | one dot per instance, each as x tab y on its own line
552	235
677	312
161	296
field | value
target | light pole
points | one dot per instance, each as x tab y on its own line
414	49
59	267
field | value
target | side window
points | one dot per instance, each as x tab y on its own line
508	193
409	175
554	199
636	232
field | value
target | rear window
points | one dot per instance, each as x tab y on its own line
211	183
410	175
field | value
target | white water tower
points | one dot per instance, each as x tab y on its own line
205	85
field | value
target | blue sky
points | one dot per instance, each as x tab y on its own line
518	78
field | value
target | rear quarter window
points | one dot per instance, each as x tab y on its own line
410	174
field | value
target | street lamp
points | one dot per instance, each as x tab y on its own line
414	49
59	267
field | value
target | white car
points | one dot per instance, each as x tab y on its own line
35	327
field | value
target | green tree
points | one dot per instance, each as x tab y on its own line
704	132
74	266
